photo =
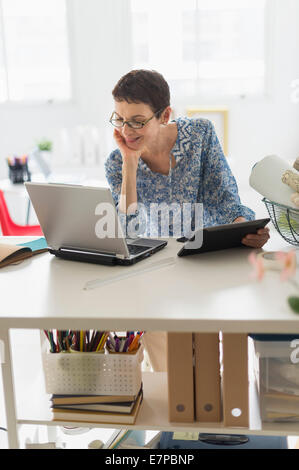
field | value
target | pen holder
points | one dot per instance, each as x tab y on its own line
102	351
19	173
92	373
125	352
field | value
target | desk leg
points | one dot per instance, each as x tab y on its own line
28	212
8	388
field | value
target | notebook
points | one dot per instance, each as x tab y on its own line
118	407
97	416
13	254
81	223
89	399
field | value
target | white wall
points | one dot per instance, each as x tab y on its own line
99	58
100	43
263	126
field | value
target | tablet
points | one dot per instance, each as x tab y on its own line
221	237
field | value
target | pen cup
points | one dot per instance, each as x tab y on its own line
101	351
128	344
93	373
123	352
19	173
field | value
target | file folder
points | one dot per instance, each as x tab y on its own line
235	380
180	377
207	377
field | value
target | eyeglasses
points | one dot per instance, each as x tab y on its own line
118	122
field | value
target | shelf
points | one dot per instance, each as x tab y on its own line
52	295
153	414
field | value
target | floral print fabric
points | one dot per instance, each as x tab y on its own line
201	175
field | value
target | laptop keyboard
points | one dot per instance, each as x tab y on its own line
135	250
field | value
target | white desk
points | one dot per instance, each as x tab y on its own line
207	292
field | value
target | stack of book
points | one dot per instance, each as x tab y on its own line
279	406
97	408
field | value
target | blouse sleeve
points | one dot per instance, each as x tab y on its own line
113	166
221	201
131	224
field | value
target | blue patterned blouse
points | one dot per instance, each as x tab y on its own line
201	175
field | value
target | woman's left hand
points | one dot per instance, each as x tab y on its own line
254	240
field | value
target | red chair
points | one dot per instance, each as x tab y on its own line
9	228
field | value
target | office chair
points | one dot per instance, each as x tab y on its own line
9	228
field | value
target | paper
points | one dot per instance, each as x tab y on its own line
266	177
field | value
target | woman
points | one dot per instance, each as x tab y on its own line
158	161
173	162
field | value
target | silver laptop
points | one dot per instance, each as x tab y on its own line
81	223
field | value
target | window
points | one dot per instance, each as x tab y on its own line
34	54
202	47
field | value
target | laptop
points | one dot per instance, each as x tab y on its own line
81	223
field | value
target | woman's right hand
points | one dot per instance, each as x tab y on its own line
130	157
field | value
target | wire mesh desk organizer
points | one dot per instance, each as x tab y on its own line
90	378
278	182
285	219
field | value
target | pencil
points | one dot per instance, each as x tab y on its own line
102	341
134	343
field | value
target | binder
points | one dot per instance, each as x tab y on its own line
235	380
207	377
180	377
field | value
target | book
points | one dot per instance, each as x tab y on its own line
281	406
153	443
91	399
117	407
207	377
281	395
273	415
97	416
13	254
112	438
117	437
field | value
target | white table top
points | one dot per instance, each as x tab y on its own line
206	292
9	188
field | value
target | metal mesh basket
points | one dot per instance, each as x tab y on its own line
285	219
